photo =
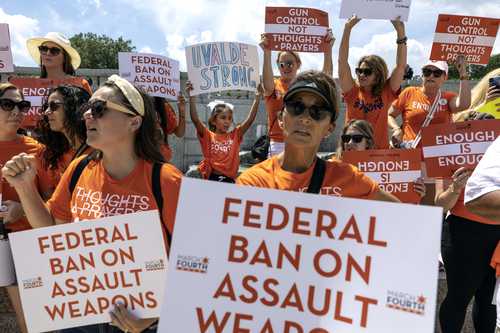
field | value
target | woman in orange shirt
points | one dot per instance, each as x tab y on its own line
371	95
311	107
220	145
469	242
121	124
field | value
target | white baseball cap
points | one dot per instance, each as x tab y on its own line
442	65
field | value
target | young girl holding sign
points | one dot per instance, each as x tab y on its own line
220	146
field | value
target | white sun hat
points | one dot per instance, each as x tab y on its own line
55	37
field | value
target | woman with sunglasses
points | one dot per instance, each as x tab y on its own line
56	57
370	96
414	104
121	123
62	131
311	107
275	88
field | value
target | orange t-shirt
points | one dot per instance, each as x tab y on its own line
460	210
97	195
221	153
23	144
363	105
495	261
341	179
414	106
274	104
165	149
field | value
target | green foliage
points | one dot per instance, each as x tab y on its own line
100	51
476	71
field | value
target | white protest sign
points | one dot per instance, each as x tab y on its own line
221	66
157	75
376	9
258	260
6	64
72	275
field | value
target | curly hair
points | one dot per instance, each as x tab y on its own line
379	67
56	143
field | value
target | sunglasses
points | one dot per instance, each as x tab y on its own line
52	106
9	105
287	64
52	50
436	72
364	71
317	113
99	107
356	138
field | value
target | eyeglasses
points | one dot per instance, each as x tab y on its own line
287	64
52	106
52	50
296	108
9	105
364	71
436	72
99	107
356	138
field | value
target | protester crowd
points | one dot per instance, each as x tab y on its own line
114	140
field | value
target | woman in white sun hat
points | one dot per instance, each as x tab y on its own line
56	57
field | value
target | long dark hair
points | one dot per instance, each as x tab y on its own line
67	66
379	67
56	143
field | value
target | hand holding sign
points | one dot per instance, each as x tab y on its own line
459	179
399	26
11	211
351	22
127	322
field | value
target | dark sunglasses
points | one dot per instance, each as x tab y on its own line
98	108
296	108
9	105
52	106
365	71
52	50
436	72
356	138
287	64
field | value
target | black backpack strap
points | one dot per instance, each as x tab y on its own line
77	172
80	150
156	185
317	176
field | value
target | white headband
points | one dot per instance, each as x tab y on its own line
130	92
216	102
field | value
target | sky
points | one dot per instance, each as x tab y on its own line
166	27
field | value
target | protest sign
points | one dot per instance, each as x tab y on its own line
375	9
35	90
73	274
296	29
257	260
394	170
447	147
6	64
221	66
157	75
470	36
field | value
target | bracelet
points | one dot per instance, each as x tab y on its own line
402	40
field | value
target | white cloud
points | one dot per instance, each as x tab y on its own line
146	49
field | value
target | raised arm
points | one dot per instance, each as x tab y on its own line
200	128
397	132
245	125
328	61
345	76
462	101
181	126
401	55
267	69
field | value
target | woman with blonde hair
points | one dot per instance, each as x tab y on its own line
483	92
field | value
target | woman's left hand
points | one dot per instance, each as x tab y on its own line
399	26
461	65
419	187
127	322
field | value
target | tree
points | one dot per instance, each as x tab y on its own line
476	71
100	51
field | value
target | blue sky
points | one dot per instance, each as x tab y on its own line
167	26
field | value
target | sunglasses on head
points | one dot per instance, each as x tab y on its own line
435	72
364	71
52	50
51	106
99	107
9	105
356	138
287	64
317	113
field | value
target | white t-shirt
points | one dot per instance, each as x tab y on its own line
486	176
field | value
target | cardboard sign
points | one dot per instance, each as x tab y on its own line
73	274
157	75
447	147
36	90
6	64
257	260
222	66
296	29
380	10
394	170
470	36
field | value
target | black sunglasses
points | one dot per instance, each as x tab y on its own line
356	138
436	72
296	108
9	105
365	71
98	108
52	106
52	50
288	64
